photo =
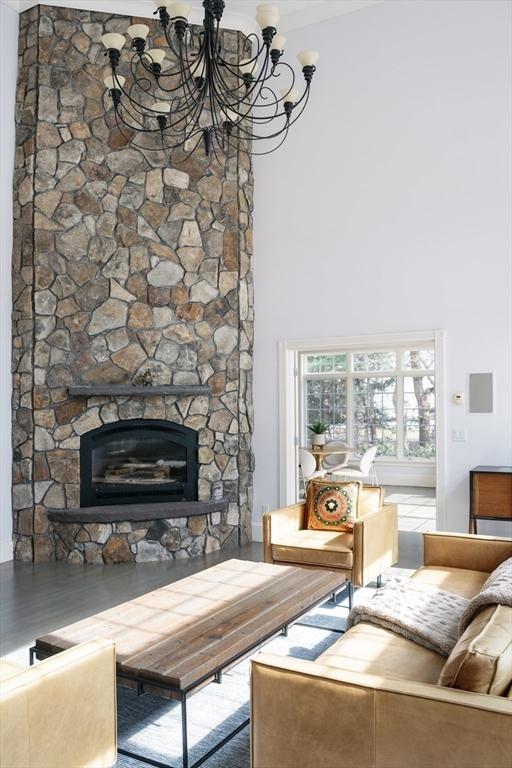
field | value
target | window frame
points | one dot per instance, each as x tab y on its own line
399	373
288	440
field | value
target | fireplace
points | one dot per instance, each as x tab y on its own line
138	461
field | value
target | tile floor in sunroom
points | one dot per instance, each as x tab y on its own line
416	507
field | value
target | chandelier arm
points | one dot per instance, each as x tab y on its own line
187	133
174	73
141	109
239	140
278	99
177	52
236	73
196	110
142	127
289	122
249	136
219	63
269	151
216	37
245	95
304	99
139	81
119	117
190	124
197	97
263	119
260	120
185	80
180	70
260	46
167	33
127	93
188	54
255	93
134	114
121	124
139	125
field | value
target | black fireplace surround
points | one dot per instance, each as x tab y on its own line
138	461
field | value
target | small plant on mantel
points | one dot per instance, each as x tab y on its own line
146	378
318	430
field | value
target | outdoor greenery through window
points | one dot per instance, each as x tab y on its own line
384	398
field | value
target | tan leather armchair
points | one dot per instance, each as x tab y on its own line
362	555
60	713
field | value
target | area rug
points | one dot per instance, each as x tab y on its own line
151	726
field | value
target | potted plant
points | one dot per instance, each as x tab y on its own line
318	430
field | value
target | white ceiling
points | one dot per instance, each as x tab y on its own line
238	14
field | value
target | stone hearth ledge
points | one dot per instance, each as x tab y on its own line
143	533
114	513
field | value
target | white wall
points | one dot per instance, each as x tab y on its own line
390	204
8	69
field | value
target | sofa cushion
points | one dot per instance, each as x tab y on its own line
377	651
460	581
481	660
326	548
332	506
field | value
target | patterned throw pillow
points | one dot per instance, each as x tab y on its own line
332	506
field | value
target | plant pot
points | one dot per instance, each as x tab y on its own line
318	439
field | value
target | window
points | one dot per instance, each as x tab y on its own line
375	414
373	397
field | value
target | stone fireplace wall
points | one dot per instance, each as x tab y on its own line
123	260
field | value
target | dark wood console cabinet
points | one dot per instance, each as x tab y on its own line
490	494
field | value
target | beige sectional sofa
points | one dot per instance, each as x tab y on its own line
372	700
60	713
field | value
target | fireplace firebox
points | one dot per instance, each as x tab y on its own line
138	460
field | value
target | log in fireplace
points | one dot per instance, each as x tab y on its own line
138	460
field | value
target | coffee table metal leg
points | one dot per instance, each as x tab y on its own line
184	737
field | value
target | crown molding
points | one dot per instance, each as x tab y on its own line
313	13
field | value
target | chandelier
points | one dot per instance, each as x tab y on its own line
201	93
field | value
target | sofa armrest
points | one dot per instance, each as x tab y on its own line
61	712
465	550
305	714
375	544
279	523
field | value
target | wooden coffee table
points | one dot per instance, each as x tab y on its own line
178	638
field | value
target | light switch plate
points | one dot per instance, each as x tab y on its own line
459	435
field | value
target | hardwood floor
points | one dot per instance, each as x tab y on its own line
36	599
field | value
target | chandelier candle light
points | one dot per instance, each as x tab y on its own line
202	96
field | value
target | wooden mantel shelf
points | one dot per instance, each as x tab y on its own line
118	390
